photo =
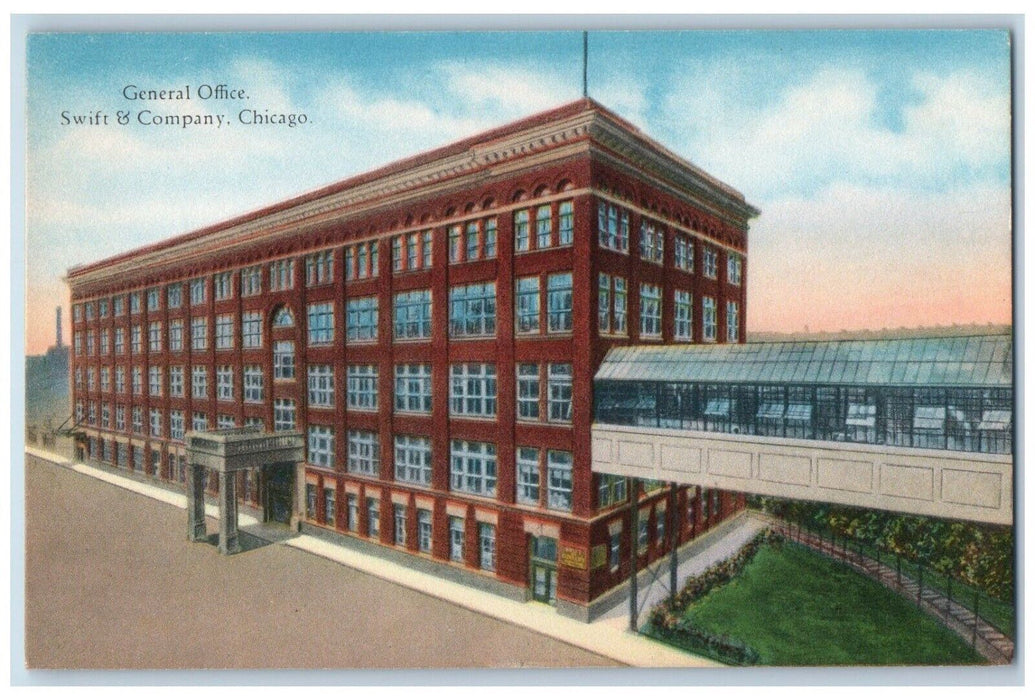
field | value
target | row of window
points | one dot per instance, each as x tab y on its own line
613	233
612	312
469	241
457	525
543	391
472	313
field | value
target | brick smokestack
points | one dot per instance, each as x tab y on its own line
58	310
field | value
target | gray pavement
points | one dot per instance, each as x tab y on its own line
112	582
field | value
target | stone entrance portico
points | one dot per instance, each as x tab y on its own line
228	452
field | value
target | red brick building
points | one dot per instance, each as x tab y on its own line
433	328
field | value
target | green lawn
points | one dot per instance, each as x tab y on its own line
796	607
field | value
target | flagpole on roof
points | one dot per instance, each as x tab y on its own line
585	64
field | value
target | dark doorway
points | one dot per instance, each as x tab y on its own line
278	490
542	569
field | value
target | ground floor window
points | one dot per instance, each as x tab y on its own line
328	506
456	539
399	516
373	517
353	508
424	530
487	546
310	501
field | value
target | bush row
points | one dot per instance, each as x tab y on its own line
667	619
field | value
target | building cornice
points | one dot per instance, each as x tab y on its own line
463	165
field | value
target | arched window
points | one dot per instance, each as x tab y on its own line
283	318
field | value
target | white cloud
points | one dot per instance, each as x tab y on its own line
830	128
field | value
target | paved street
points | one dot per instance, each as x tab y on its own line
112	582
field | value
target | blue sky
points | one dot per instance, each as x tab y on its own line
880	159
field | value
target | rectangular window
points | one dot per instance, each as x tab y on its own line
321	386
528	391
118	305
199	383
105	344
424	530
361	387
472	467
684	315
361	319
413	251
321	323
399	522
521	231
456	244
138	420
153	299
329	506
527	314
251	281
105	415
650	310
105	379
319	268
413	315
138	381
199	333
734	267
413	388
456	539
283	414
225	383
490	238
472	241
528	475
621	306
472	389
253	384
251	329
224	421
708	318
566	223
224	332
353	512
199	421
373	517
472	310
364	452
154	336
613	227
282	275
413	459
91	342
134	303
321	446
120	421
398	263
223	286
558	302
543	227
156	423
732	322
558	471
154	381
610	490
197	291
711	263
559	388
120	380
136	340
604	303
120	341
487	546
176	335
176	425
283	359
684	253
614	557
652	242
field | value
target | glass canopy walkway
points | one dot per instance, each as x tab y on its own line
882	403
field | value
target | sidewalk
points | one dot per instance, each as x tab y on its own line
607	636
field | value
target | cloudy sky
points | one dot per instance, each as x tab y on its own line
880	160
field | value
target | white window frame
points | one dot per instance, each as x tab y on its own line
321	386
361	387
472	389
364	452
472	467
413	459
413	388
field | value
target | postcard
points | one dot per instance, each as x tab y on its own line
519	349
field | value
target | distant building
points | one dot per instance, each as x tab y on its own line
46	384
433	327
